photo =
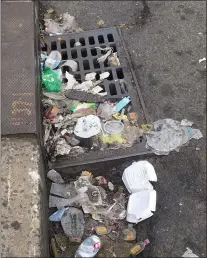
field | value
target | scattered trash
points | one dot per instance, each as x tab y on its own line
56	217
54	248
55	177
137	176
62	148
87	126
101	180
54	95
110	186
139	247
62	241
90	76
77	44
102	230
121	104
113	127
104	75
146	127
100	23
129	233
72	64
72	222
105	110
89	247
168	135
105	56
50	10
74	110
71	81
140	206
66	24
189	253
113	60
202	60
50	80
53	60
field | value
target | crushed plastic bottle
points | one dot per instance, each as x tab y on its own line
138	248
129	233
89	247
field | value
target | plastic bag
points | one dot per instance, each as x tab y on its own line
168	135
72	222
50	80
53	60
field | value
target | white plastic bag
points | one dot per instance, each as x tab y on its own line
169	135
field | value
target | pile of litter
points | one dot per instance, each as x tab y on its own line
77	116
99	200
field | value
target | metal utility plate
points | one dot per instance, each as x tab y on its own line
86	56
18	67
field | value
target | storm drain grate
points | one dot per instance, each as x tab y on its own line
86	56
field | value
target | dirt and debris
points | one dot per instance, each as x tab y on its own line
88	205
77	116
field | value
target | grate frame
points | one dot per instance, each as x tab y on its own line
86	56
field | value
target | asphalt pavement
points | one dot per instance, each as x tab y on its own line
165	40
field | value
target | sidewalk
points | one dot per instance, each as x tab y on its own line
24	225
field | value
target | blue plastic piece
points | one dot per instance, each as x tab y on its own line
55	217
121	104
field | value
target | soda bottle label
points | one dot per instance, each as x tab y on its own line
135	249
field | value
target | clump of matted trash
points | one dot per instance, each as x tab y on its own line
93	206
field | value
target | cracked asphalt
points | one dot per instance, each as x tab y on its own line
165	47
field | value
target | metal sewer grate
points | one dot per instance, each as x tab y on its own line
86	56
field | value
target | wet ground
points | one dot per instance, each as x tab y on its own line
165	47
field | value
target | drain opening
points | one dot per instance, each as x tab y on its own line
110	37
93	52
91	40
78	77
82	41
106	63
86	65
84	52
63	44
103	88
64	55
72	42
44	48
96	64
53	45
110	78
100	39
74	54
114	47
112	89
66	69
98	75
119	73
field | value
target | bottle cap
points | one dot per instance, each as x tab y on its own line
146	241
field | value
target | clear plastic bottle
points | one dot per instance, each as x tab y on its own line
89	247
138	248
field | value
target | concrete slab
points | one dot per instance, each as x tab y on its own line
23	199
